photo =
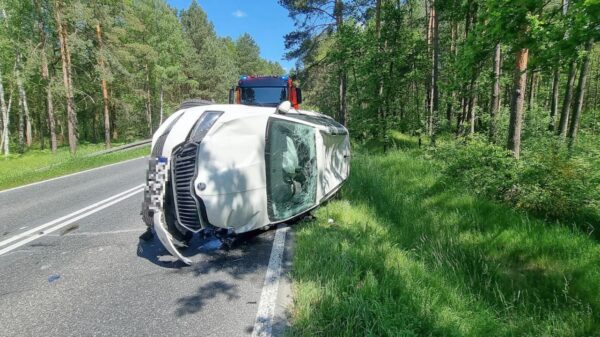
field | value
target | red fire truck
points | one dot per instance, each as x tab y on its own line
265	91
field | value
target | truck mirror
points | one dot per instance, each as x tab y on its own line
231	95
284	107
299	95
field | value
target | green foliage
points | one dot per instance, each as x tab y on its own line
549	183
153	60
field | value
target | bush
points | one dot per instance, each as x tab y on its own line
547	181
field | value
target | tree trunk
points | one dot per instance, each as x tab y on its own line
23	106
21	127
472	105
40	123
46	78
518	99
343	78
573	128
5	120
148	102
161	106
65	56
554	99
429	35
104	86
566	109
434	95
495	102
453	52
597	89
531	91
381	112
463	115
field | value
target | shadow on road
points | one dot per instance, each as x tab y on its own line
246	261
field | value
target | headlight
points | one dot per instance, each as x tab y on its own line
204	123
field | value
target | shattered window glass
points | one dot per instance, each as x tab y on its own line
291	169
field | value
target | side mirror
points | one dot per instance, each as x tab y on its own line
299	95
231	95
284	107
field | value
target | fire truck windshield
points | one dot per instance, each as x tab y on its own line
263	96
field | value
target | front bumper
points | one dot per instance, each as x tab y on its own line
158	174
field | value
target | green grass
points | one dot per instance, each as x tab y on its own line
409	254
37	165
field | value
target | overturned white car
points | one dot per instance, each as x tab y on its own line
235	168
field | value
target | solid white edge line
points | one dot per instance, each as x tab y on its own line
263	325
70	175
48	224
66	223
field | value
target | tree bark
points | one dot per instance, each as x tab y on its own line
381	112
103	84
161	106
21	126
343	78
566	109
453	52
65	56
495	101
435	61
46	78
5	119
518	99
23	106
554	99
573	128
464	110
472	104
148	102
597	86
531	91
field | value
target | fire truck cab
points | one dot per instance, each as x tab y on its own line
267	91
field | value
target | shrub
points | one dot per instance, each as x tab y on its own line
547	181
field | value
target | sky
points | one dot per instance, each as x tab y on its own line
265	20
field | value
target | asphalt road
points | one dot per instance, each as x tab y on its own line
86	273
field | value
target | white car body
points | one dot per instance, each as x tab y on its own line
253	167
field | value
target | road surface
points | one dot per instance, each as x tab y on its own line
71	264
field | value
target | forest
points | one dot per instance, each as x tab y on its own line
481	84
473	206
74	71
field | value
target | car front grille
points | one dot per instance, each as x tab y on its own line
184	172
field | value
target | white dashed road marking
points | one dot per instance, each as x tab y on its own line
49	227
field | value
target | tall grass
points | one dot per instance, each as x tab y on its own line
411	254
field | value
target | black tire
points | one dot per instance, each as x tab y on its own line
190	103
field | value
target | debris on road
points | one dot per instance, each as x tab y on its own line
53	277
69	229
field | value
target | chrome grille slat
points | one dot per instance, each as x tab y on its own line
184	171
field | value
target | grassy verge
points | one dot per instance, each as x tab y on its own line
410	254
37	165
